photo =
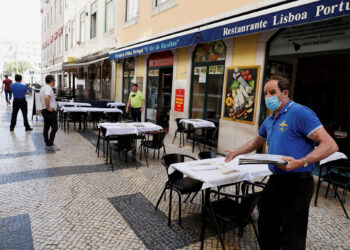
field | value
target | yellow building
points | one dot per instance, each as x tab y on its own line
208	59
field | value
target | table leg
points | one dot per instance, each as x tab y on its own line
193	139
204	216
318	184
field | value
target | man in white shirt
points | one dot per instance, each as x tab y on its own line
49	112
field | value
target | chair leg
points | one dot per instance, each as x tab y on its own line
146	156
179	208
164	151
188	196
170	200
174	137
111	159
193	197
160	198
141	147
255	230
325	196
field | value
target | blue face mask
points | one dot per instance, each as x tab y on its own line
272	103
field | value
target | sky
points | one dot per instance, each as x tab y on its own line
20	20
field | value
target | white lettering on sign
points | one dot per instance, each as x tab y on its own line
322	10
244	28
283	19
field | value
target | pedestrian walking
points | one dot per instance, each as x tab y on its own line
19	92
292	130
6	86
49	112
137	103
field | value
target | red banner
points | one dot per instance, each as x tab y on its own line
179	100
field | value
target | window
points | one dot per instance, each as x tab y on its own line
162	5
66	3
54	10
48	20
109	15
159	2
66	39
53	49
60	6
61	45
82	28
51	15
72	35
132	7
93	20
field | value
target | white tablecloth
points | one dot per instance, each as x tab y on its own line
129	128
199	123
87	109
75	104
115	104
216	172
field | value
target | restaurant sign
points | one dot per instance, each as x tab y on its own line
157	46
306	13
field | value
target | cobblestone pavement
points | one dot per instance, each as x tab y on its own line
71	199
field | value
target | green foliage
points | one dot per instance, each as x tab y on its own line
17	67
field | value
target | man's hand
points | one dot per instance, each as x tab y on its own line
141	109
127	110
291	163
50	109
231	155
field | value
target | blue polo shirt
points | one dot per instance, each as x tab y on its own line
288	133
18	90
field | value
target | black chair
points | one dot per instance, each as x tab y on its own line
156	143
113	117
94	118
236	209
125	144
337	174
105	141
74	117
208	155
207	138
176	182
182	130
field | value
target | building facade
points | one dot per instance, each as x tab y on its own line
197	59
52	18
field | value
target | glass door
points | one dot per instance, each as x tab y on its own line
164	97
152	95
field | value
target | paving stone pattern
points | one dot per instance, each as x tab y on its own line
15	233
75	201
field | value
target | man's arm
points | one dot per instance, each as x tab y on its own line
127	106
326	147
47	103
250	146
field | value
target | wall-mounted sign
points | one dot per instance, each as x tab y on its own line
290	14
241	87
179	100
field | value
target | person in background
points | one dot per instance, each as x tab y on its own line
19	91
6	85
292	130
49	112
137	103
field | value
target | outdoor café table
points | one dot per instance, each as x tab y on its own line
116	104
197	123
103	110
75	104
215	172
113	129
71	110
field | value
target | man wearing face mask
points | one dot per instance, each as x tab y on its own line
292	130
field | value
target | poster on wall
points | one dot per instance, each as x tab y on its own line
241	93
153	72
179	100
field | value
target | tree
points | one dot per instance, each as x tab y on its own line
17	67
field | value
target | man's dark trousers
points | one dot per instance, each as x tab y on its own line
50	120
8	95
284	211
136	114
19	104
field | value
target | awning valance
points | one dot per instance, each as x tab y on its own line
74	65
182	39
290	14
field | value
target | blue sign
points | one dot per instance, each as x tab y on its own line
316	11
172	43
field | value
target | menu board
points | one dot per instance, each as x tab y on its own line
179	100
241	87
153	72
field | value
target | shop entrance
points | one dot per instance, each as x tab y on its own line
159	85
319	78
